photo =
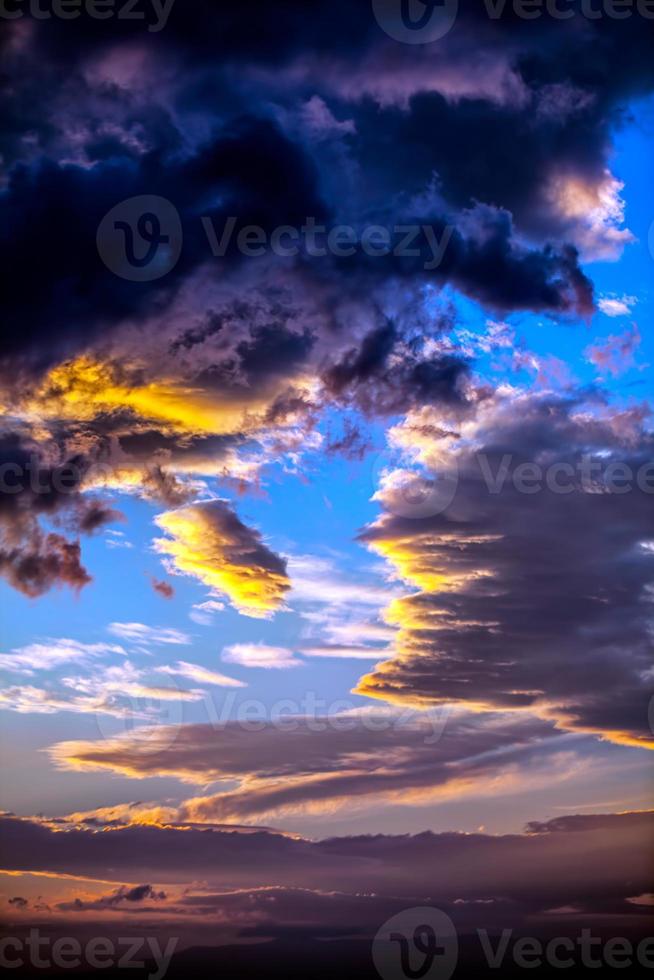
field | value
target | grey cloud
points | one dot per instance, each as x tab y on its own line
323	763
544	597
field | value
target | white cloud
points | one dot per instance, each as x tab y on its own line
51	653
114	698
116	539
344	615
143	635
317	580
356	633
260	655
596	213
343	653
617	305
126	681
203	612
202	675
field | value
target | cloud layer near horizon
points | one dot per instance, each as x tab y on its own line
585	864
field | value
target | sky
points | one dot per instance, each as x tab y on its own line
324	567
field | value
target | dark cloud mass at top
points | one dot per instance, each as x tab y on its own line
216	111
218	114
275	114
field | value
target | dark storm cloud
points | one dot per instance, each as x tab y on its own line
267	352
369	360
48	482
51	213
566	92
556	73
49	478
90	515
495	112
535	599
34	488
42	560
59	292
368	378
